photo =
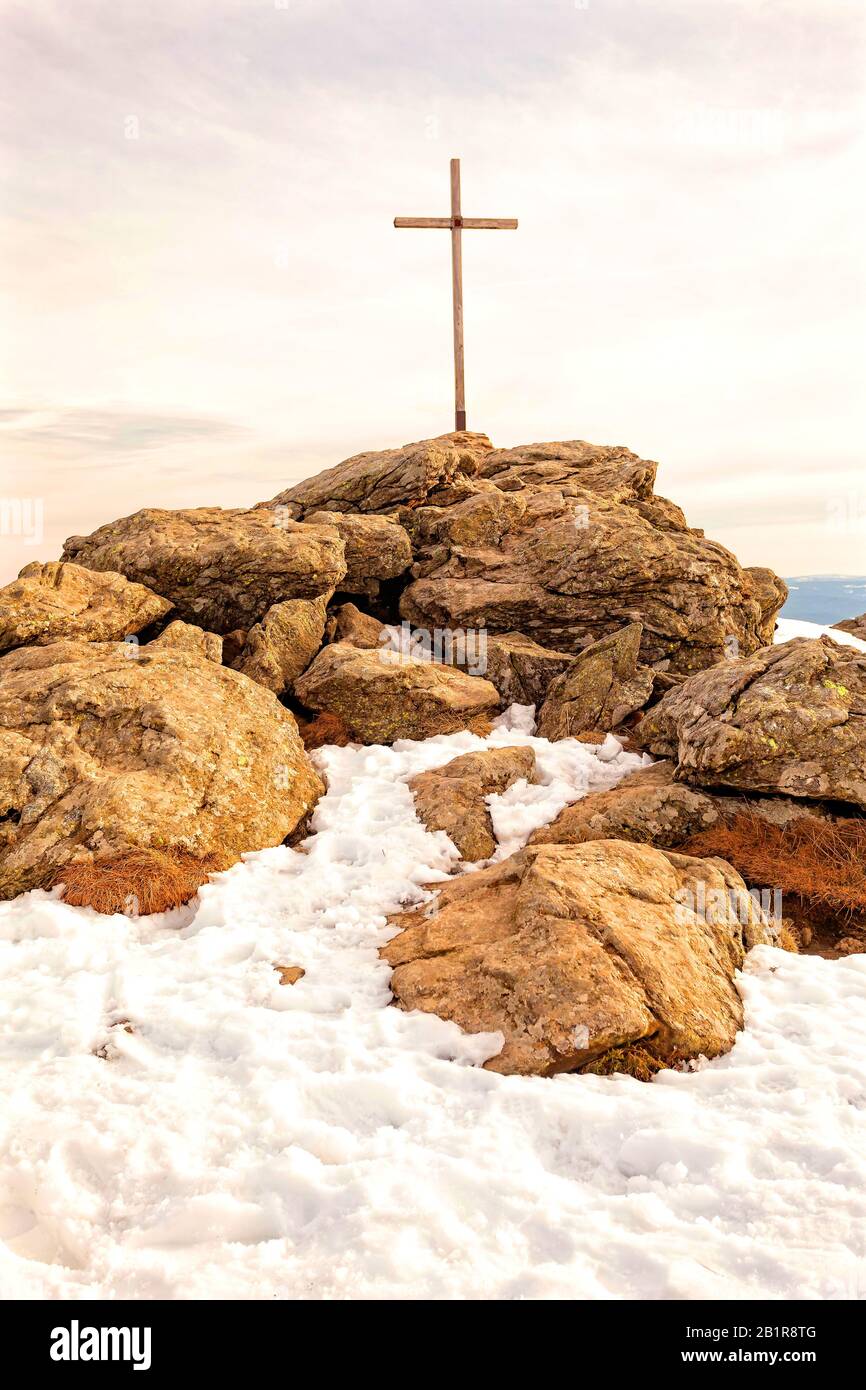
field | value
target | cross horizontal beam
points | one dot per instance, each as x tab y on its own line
486	224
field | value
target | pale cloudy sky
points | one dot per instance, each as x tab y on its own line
205	297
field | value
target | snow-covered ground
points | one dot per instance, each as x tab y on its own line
788	628
251	1139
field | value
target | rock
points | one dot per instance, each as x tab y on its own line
572	950
377	482
567	568
599	689
609	469
186	637
563	542
383	695
651	807
453	798
222	569
856	626
55	600
376	548
349	624
102	752
566	543
522	670
284	643
290	974
790	719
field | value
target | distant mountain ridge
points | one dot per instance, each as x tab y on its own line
825	598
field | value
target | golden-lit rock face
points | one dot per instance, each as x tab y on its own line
283	644
601	687
49	602
220	568
791	718
572	950
383	695
453	798
103	750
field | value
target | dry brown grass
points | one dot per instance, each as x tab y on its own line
819	865
788	938
633	1059
325	729
139	881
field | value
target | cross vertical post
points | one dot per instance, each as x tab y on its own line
457	296
457	224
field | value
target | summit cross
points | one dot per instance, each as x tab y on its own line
456	224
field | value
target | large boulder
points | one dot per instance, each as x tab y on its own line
567	566
381	481
567	542
385	695
103	750
573	950
521	669
222	569
377	548
283	644
348	624
50	601
791	718
453	798
651	807
601	687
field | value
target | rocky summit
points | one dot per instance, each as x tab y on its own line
563	542
159	683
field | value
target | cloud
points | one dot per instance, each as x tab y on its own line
207	277
114	432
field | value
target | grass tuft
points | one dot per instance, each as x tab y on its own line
819	864
632	1060
138	881
325	730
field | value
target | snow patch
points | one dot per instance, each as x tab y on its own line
178	1124
789	628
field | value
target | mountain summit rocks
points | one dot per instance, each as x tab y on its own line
557	544
221	569
577	589
563	542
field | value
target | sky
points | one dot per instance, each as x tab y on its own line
205	299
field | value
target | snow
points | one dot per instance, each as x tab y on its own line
254	1140
789	628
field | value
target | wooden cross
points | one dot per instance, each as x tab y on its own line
456	224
